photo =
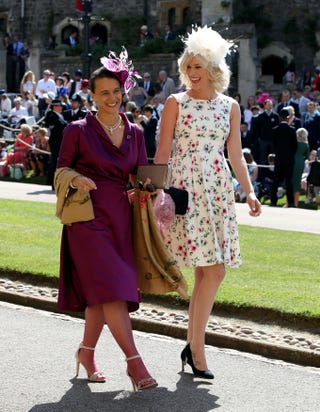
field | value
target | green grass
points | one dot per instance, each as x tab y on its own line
30	237
280	269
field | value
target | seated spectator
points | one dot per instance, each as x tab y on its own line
313	181
39	160
307	165
31	104
3	150
266	178
22	146
5	105
18	114
253	173
4	170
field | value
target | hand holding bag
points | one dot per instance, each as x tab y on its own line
156	173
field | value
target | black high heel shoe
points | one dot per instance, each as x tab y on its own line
186	358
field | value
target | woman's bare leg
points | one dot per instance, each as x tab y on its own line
94	322
117	317
207	282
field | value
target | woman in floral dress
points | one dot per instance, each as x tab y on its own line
203	120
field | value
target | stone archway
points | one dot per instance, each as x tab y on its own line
273	66
274	60
99	33
101	29
64	27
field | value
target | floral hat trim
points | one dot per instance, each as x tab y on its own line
206	42
122	67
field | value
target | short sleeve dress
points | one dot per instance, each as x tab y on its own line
96	259
207	234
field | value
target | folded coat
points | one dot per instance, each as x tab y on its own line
156	269
72	206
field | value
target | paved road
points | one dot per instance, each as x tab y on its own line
37	374
301	220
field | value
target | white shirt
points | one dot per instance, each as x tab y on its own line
17	114
46	86
5	106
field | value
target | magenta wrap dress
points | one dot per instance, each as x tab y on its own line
96	258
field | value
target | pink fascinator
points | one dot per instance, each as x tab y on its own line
263	97
122	68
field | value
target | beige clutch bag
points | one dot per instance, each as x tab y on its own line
157	174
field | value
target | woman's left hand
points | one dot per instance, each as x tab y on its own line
83	184
254	204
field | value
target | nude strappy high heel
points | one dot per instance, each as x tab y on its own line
146	383
96	376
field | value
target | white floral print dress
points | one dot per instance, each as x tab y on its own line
208	233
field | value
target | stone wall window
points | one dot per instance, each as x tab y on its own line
99	34
275	66
172	17
67	31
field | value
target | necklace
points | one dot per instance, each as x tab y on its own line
111	129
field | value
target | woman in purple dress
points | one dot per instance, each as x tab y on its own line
97	272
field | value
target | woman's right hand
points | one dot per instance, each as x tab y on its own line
83	184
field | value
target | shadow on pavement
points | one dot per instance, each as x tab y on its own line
81	398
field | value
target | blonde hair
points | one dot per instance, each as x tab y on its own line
218	75
43	131
291	110
26	129
26	75
302	135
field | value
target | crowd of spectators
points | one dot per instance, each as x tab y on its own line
266	126
56	100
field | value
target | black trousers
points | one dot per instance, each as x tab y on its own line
283	171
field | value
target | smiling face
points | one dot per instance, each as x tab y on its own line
197	73
107	95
